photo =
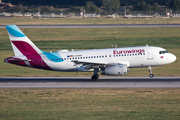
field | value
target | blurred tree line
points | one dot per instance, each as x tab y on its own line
93	6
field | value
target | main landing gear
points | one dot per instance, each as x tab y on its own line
150	70
95	76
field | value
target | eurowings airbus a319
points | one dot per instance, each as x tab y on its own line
112	61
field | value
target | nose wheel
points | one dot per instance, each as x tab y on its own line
150	70
151	75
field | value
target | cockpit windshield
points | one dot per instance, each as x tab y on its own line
163	52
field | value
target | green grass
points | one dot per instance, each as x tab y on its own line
82	38
88	38
102	20
89	104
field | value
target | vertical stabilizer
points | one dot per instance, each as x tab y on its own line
21	44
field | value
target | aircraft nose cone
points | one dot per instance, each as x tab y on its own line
173	58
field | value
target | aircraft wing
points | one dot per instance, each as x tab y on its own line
90	64
93	64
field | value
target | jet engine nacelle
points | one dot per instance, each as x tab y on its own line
115	70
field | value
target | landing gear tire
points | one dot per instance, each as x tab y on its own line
151	75
95	77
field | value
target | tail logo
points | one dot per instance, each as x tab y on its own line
14	31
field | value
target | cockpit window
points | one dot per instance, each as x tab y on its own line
163	52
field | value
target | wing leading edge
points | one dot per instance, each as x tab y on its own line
93	64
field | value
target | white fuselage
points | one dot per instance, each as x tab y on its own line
131	56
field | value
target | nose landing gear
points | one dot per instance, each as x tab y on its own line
150	70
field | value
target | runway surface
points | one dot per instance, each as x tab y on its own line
85	82
97	26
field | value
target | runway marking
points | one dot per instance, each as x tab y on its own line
85	82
